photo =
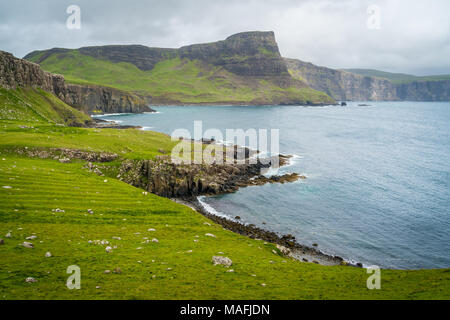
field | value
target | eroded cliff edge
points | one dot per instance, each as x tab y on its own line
344	85
19	73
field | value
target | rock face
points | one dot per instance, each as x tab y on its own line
16	73
143	57
167	179
245	54
437	90
343	85
90	98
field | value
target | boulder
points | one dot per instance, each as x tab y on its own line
28	245
285	251
224	261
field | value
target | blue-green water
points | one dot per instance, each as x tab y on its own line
378	177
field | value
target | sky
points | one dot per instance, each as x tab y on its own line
391	35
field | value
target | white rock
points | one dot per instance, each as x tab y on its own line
8	235
206	223
30	280
210	235
155	240
7	187
28	245
285	251
224	261
151	230
31	238
117	238
108	249
48	255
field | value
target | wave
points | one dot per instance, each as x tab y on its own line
210	209
109	114
146	128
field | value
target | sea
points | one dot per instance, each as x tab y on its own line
377	187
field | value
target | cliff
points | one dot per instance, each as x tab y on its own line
358	86
245	68
19	73
434	90
342	85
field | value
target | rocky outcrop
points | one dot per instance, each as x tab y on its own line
16	73
244	54
167	179
343	85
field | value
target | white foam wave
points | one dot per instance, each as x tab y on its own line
210	209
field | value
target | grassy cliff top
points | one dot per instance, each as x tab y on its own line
397	77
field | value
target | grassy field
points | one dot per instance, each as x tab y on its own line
187	81
178	266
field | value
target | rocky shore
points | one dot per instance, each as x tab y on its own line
183	183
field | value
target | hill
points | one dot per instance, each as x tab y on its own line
398	78
245	68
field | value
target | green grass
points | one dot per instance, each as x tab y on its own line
38	186
36	105
178	80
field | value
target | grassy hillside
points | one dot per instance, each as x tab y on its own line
178	266
175	79
36	105
396	77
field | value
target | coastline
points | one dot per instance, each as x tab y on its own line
289	246
294	250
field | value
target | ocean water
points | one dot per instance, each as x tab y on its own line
378	177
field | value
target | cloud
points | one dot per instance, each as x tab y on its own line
414	36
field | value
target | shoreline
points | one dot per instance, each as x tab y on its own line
289	246
294	250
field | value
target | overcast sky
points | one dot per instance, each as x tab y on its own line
414	36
